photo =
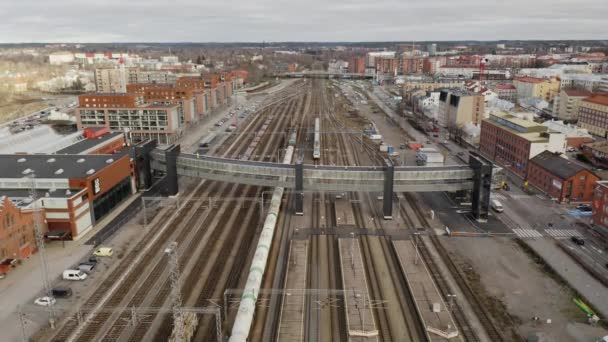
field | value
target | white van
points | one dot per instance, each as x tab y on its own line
496	206
74	275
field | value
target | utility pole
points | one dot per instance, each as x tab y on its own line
39	235
176	295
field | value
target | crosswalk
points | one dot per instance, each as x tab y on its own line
523	233
527	233
563	233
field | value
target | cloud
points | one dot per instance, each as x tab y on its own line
312	20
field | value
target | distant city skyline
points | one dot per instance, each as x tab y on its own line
343	20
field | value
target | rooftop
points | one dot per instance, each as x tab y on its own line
528	79
85	145
598	99
557	165
505	86
577	92
53	166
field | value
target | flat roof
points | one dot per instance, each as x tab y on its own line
85	145
49	165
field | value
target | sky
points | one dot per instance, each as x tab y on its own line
288	20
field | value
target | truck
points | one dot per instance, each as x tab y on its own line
429	155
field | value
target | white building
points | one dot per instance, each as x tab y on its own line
590	82
58	58
455	71
169	59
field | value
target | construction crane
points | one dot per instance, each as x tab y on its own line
39	235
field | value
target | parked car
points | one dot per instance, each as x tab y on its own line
61	292
87	267
577	240
45	301
74	275
103	252
584	207
92	258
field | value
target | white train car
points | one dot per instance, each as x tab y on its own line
316	154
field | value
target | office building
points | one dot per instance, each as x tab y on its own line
512	141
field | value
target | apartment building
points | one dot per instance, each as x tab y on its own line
566	105
129	112
136	76
593	114
459	107
506	92
540	88
111	80
512	141
192	103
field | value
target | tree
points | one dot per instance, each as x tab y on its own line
77	85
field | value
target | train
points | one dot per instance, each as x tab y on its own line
316	154
293	135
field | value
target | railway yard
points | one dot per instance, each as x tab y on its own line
340	272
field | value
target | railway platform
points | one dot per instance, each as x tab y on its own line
433	311
291	324
359	318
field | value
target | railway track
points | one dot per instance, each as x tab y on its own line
479	309
98	322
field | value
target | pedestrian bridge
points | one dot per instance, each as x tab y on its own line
319	178
302	178
322	74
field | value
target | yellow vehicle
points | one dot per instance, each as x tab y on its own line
103	252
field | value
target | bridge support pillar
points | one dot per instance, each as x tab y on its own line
482	186
387	199
141	155
171	154
299	189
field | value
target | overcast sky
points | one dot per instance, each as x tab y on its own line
311	20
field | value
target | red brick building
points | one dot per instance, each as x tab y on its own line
356	65
113	100
511	141
561	179
17	240
600	204
75	191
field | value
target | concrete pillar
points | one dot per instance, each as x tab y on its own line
141	155
171	154
482	186
299	189
387	199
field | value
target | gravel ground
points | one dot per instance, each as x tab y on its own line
514	280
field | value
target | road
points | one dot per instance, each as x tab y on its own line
540	222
